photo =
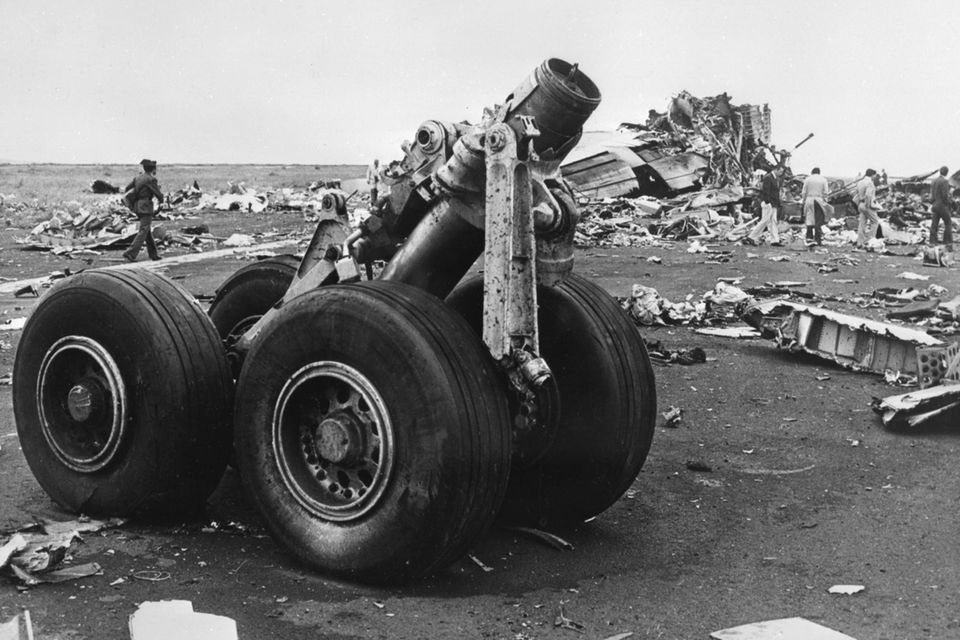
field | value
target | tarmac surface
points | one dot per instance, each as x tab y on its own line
805	490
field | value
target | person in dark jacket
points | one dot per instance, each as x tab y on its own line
942	206
145	189
769	205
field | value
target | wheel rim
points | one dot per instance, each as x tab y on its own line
333	440
82	403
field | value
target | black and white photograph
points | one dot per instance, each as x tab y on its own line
492	321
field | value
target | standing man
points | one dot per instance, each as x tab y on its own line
866	205
769	205
813	194
373	179
145	189
942	205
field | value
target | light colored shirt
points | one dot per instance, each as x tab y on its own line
866	191
373	175
814	186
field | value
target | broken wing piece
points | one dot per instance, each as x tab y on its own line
935	405
853	342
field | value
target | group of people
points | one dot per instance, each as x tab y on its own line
813	197
144	190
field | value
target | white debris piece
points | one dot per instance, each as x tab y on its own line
13	324
177	619
729	332
783	629
13	630
846	589
239	240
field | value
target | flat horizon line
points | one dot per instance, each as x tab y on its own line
194	164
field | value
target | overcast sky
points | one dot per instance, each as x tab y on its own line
322	82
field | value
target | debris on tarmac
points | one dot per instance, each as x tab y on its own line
846	589
19	627
27	290
563	622
176	619
857	343
550	539
699	466
33	554
729	332
479	563
918	309
672	417
783	629
909	275
899	379
13	324
66	574
661	355
647	307
238	240
151	575
937	257
926	406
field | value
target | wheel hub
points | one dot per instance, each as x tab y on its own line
82	402
85	399
339	438
333	440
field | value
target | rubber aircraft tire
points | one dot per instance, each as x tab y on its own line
151	372
251	291
607	404
424	389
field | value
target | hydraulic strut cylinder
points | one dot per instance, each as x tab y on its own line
546	112
557	98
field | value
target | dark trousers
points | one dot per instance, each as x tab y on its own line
814	232
373	195
941	212
143	234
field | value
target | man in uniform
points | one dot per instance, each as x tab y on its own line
866	205
145	189
942	205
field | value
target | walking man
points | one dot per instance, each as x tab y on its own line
814	194
373	179
145	189
769	205
942	205
866	205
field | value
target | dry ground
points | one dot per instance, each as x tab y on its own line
807	490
